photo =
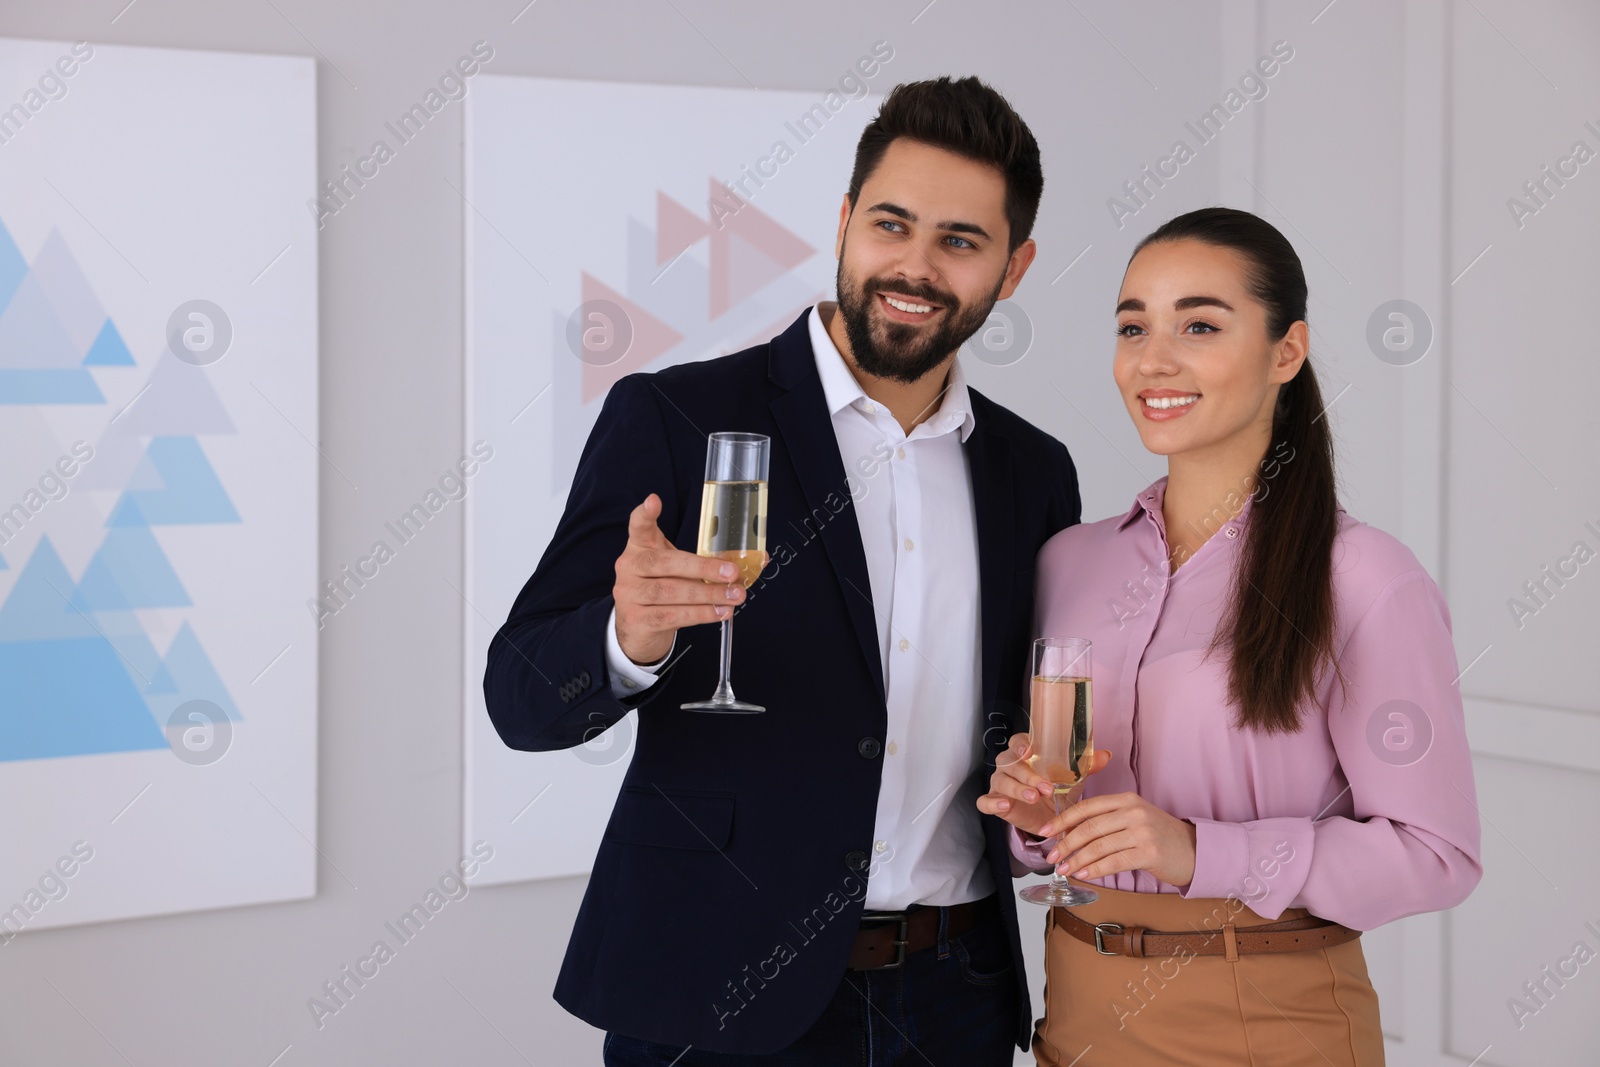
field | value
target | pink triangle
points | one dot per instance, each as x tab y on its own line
651	337
676	228
761	237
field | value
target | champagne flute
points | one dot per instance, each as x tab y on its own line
733	526
1062	732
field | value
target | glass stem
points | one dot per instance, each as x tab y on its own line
1057	879
724	694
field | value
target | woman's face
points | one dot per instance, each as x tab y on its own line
1194	363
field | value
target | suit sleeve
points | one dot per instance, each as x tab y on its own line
1066	507
547	684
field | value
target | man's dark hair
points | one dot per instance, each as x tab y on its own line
966	117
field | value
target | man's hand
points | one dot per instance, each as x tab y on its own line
661	589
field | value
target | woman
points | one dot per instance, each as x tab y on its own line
1274	681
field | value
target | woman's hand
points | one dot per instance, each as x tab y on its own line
1122	832
1021	795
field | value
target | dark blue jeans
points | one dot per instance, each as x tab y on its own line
951	1005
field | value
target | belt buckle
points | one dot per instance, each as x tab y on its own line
1100	931
901	917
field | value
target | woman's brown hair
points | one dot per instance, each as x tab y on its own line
1279	620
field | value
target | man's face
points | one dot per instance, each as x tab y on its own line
923	258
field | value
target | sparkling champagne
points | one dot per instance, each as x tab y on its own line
733	526
1063	731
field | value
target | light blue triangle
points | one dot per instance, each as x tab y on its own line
32	334
187	663
191	491
12	267
48	385
108	349
129	570
133	646
70	697
161	682
144	476
37	608
127	512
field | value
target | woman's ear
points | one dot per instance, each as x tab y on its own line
1290	352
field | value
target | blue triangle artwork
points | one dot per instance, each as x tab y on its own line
81	675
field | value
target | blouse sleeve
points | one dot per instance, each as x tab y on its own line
1411	841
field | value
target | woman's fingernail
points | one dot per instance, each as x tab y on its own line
1054	857
721	611
1029	795
1004	805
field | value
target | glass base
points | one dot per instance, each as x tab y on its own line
1058	895
725	707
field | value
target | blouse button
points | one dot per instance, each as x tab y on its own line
1233	531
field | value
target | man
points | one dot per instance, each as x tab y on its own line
813	884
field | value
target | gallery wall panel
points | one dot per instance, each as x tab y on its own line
158	481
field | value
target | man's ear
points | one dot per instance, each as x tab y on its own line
1017	266
844	220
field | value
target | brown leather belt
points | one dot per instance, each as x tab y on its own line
1289	935
885	937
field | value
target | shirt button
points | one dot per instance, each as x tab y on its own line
855	860
869	747
900	453
629	683
909	545
905	646
872	409
893	748
1233	531
880	847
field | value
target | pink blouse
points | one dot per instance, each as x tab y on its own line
1367	814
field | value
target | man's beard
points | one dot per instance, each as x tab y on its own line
901	351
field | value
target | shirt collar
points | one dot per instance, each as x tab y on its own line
1150	499
840	388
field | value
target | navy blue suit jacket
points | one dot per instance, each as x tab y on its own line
728	886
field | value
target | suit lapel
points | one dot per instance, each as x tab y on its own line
812	448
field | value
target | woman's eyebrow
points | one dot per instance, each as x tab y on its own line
1187	302
1181	304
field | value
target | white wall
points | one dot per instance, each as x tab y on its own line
1385	149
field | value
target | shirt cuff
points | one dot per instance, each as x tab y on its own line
1028	852
1263	863
628	677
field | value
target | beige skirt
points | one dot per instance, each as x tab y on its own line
1312	1008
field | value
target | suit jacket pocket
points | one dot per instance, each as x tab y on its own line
695	821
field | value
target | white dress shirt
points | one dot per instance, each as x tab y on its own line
919	533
